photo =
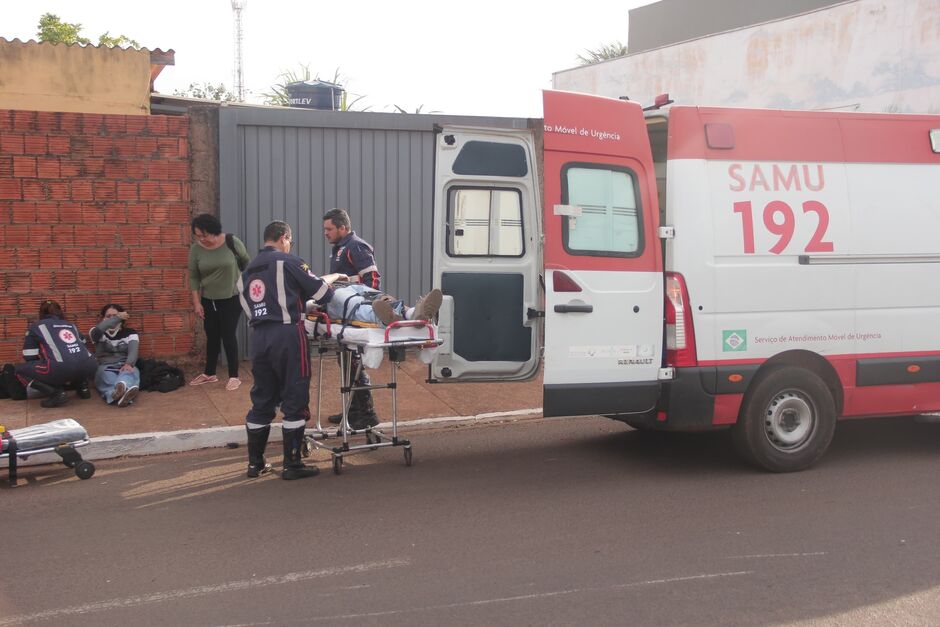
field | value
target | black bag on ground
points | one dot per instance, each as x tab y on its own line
10	386
159	376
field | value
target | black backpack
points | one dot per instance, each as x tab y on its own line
159	376
10	386
230	242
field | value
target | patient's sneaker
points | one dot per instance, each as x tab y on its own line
428	305
128	397
385	312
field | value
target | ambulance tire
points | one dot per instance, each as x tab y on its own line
787	420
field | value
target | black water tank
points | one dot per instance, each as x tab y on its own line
316	94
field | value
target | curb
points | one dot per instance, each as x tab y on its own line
157	443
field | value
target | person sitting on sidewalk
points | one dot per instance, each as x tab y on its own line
56	356
117	378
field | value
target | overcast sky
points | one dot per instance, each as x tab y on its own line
485	57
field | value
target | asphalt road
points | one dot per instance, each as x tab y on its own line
568	521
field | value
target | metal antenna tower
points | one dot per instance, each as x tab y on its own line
237	7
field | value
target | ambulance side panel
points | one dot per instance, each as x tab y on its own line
806	238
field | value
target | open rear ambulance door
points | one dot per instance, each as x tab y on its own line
603	259
487	256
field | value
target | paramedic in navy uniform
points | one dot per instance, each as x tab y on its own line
354	257
56	356
273	291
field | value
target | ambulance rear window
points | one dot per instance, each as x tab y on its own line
479	158
609	224
484	222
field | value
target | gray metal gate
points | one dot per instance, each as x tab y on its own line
295	165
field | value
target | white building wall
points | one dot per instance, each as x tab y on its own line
865	55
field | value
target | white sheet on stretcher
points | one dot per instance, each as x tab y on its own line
49	434
372	340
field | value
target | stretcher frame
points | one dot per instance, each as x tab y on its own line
326	341
66	450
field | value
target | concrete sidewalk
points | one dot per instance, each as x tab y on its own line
208	415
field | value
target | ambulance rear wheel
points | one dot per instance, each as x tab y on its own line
787	420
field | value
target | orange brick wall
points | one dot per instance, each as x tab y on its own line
95	209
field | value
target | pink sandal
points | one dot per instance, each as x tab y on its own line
204	378
233	384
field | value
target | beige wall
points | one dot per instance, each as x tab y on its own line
56	77
864	55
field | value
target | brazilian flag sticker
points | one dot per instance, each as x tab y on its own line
734	341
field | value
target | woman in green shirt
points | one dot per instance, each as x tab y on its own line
214	267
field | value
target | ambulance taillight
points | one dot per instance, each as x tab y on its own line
680	336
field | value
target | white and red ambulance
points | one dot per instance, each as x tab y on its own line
763	270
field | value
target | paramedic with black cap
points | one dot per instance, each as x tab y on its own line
273	291
354	257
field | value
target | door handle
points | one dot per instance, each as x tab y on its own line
574	308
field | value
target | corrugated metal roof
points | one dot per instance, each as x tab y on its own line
157	55
159	58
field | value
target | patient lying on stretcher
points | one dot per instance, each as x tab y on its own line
358	303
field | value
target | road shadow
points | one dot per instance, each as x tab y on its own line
856	441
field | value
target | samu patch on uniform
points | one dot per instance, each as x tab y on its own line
256	290
67	336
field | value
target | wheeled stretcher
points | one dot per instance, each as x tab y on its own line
61	437
371	343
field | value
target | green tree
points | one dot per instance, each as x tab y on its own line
207	91
606	52
279	96
121	41
54	31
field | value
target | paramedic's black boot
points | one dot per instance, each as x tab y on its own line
294	468
361	411
364	417
362	422
55	397
338	418
81	389
257	441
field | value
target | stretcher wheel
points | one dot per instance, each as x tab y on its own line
407	456
84	470
70	463
337	465
305	448
372	439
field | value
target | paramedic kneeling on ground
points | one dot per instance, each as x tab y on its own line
56	356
